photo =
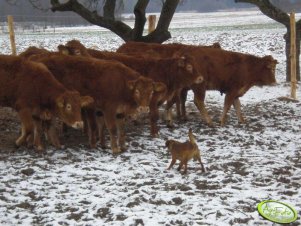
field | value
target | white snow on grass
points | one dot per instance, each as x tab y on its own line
245	164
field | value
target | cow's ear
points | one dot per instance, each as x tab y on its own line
159	87
60	102
181	61
86	101
131	84
63	50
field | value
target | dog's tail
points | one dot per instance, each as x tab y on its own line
191	137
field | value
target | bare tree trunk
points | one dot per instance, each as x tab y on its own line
159	35
267	8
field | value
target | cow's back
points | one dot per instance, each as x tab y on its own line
99	78
159	50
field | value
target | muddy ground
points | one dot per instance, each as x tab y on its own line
245	164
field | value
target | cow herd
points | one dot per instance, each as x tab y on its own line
92	89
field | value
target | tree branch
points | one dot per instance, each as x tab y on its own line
166	15
119	28
57	6
140	18
267	8
109	9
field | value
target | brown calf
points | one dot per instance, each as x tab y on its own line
32	90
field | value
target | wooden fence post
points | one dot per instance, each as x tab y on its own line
293	56
151	23
10	21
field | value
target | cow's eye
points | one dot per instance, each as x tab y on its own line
68	107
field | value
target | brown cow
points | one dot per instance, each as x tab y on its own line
165	50
37	96
117	90
176	73
229	72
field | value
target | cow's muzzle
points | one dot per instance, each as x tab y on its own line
199	80
78	125
143	109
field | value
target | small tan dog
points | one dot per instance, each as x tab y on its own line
184	152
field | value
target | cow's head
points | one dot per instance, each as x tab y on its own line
268	70
69	105
143	90
74	48
188	69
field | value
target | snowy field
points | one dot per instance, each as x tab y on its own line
245	164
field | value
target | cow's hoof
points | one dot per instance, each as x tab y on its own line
39	148
184	119
155	135
58	147
18	143
116	150
103	147
92	146
124	148
170	124
242	121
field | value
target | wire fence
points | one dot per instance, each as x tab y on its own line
40	24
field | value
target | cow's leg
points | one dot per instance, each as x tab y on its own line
38	130
121	131
237	107
178	106
154	116
52	133
176	100
229	100
91	125
185	166
110	121
199	98
183	98
29	139
101	128
169	112
26	126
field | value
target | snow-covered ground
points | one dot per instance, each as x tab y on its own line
245	164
